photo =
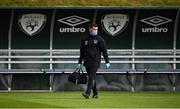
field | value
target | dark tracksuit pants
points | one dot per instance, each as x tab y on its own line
91	71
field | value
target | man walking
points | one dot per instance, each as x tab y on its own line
90	51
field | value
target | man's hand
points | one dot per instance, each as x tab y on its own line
107	65
79	66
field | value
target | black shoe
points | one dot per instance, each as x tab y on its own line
95	96
86	96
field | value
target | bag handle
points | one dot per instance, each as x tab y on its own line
79	70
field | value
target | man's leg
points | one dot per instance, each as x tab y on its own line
95	94
94	88
91	71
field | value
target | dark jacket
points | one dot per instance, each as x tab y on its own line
91	49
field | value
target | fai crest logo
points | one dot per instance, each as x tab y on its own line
114	24
31	24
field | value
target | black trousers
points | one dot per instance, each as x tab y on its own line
91	71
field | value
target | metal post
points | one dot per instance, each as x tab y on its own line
132	80
133	47
174	48
9	49
51	36
9	81
95	16
175	38
51	46
51	79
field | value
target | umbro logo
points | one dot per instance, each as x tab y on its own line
156	20
73	20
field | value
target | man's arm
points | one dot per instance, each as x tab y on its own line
81	53
104	50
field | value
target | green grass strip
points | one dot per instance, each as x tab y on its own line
115	99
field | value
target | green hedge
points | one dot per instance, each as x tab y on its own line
89	3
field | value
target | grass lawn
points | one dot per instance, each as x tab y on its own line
115	99
89	3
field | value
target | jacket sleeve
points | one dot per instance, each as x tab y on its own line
81	53
104	50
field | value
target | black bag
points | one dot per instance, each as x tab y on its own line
77	77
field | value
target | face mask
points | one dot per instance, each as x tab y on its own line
93	33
